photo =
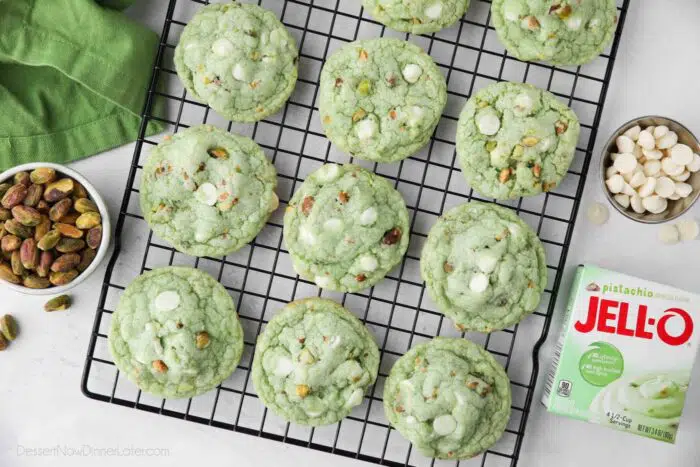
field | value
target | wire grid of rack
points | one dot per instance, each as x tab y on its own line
397	311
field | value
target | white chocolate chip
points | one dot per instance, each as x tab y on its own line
652	154
333	225
623	200
283	367
369	263
633	133
647	189
637	180
650	129
655	204
665	187
355	398
444	425
479	283
614	156
667	141
682	177
646	140
487	262
335	341
683	190
206	194
638	152
415	115
239	72
166	301
368	216
681	154
598	213
488	123
668	234
660	131
628	190
694	166
626	162
688	230
628	176
625	144
222	47
322	281
433	11
328	172
411	72
636	204
652	168
674	197
670	167
306	235
574	23
306	357
523	103
366	129
615	183
610	171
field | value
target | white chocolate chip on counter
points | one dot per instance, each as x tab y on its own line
636	204
222	47
646	140
625	144
444	424
239	72
598	213
368	216
488	123
411	72
670	167
683	190
328	172
633	133
694	166
206	194
625	163
665	187
615	183
660	131
688	230
667	141
368	263
668	234
168	300
433	11
623	200
366	129
681	154
655	204
333	225
479	283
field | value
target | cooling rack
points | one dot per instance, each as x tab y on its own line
398	312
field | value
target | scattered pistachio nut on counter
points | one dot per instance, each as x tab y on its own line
50	229
60	303
650	169
8	331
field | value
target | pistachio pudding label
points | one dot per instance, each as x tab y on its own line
625	354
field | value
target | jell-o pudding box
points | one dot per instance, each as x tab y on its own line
625	354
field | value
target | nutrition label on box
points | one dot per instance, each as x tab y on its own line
625	354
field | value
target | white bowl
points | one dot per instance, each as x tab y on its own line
106	226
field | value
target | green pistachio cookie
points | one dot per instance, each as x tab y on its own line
449	397
239	59
564	32
345	228
176	333
381	99
206	191
515	140
314	362
483	266
416	16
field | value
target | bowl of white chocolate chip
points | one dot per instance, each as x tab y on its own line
650	169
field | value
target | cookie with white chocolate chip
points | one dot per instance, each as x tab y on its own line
418	16
175	333
239	59
314	362
563	32
515	140
381	99
345	228
206	191
483	266
449	397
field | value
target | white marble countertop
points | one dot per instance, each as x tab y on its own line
657	72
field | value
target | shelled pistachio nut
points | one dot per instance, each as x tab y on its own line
60	303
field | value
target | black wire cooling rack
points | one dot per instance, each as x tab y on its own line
397	311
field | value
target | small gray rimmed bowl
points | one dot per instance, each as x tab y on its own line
675	208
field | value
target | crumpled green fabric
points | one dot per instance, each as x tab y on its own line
74	75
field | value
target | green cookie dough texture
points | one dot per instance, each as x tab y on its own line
381	99
345	228
239	59
176	333
563	32
449	397
483	266
207	192
515	140
417	16
314	362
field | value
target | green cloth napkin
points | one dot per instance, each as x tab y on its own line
74	75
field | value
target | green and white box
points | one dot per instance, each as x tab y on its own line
625	354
